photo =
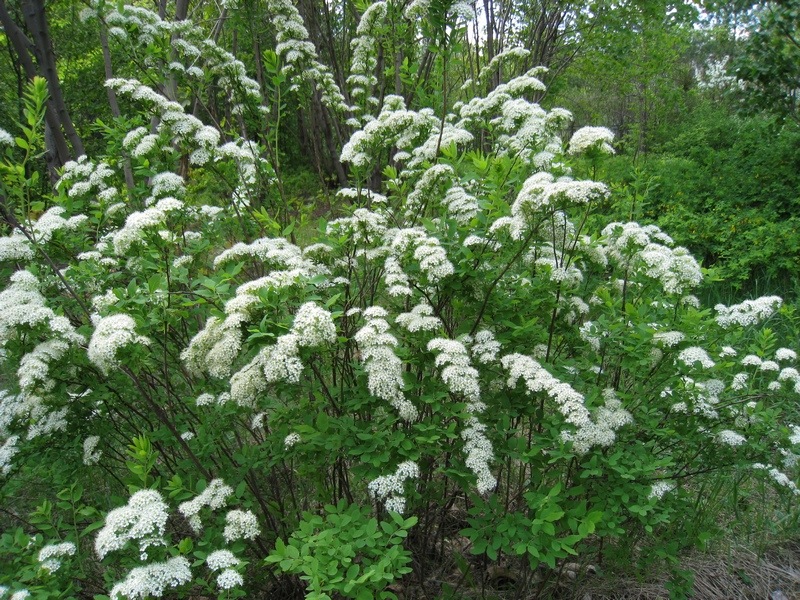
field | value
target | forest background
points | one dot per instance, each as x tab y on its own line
701	105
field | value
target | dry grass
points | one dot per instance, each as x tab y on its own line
738	575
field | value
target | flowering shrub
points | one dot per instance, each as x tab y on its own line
459	347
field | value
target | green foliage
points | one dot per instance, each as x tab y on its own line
544	533
346	553
486	341
726	188
770	61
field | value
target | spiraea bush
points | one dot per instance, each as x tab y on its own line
194	405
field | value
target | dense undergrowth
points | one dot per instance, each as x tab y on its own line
473	369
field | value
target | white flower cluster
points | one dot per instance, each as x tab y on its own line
502	58
731	438
175	124
484	347
355	195
214	496
538	379
50	556
240	524
384	368
91	456
749	312
7	452
751	360
299	54
6	138
769	365
112	333
460	205
272	252
394	126
363	227
589	332
143	519
694	354
456	371
714	76
52	221
190	44
153	579
543	189
779	477
429	188
739	381
555	263
477	110
659	488
249	381
648	249
15	248
215	348
419	319
364	57
438	138
427	251
587	138
34	368
138	223
668	339
167	183
23	305
600	431
83	177
223	560
313	326
390	488
397	281
530	134
480	453
29	410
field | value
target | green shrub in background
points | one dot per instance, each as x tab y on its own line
475	346
727	187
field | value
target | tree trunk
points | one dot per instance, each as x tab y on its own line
36	22
112	101
56	143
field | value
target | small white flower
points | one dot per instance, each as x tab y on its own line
731	438
144	519
90	456
152	580
240	524
49	555
111	334
695	354
739	381
659	488
229	579
221	559
214	496
591	137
